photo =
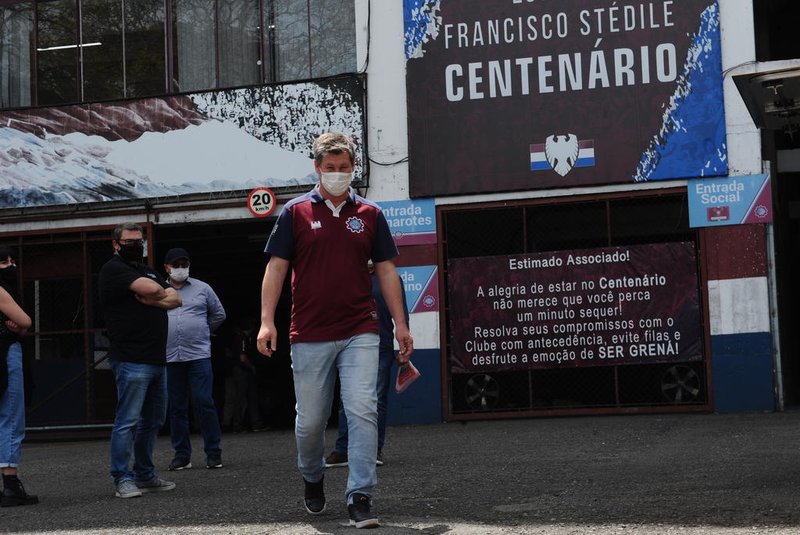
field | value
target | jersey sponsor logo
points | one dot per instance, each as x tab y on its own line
355	225
316	225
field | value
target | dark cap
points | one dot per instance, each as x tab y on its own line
175	254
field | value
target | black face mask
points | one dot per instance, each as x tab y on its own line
8	279
9	275
132	253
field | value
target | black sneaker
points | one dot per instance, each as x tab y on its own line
17	496
315	496
360	517
379	460
214	461
335	459
179	464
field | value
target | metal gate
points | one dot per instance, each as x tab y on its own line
68	383
498	229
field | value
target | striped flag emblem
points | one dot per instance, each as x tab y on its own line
585	156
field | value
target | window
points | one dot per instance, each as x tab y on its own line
16	29
290	40
312	38
193	45
145	48
239	43
102	49
55	52
332	24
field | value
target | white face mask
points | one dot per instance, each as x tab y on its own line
336	183
179	274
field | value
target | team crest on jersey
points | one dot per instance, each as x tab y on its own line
355	224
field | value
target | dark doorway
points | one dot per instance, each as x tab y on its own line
229	256
776	24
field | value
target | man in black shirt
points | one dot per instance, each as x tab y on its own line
135	300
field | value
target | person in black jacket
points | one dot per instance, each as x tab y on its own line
13	323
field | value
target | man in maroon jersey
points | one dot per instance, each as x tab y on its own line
327	236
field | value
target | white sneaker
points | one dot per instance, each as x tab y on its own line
127	489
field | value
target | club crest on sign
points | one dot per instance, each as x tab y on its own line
562	153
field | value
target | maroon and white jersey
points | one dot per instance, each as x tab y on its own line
328	250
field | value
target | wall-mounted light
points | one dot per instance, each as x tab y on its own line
65	47
772	98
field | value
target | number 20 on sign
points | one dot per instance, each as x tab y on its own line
261	202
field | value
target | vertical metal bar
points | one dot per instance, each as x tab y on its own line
609	241
217	45
123	9
772	284
79	14
272	47
169	44
261	50
526	250
87	349
308	22
35	56
702	263
444	342
37	317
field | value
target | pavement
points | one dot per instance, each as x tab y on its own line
643	474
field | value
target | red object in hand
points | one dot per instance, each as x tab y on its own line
406	374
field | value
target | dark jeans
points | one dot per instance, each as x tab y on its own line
194	375
141	408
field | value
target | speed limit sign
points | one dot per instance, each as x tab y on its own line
261	202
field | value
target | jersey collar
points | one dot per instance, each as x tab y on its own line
316	196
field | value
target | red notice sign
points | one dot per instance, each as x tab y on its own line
589	307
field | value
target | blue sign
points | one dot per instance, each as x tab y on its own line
737	200
411	222
421	285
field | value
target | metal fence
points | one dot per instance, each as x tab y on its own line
66	378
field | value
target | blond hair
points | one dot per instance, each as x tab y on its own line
333	143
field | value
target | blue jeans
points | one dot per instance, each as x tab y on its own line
141	411
12	411
197	376
384	379
314	366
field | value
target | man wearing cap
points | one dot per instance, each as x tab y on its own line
189	362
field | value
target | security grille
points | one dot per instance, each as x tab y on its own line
548	226
68	382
